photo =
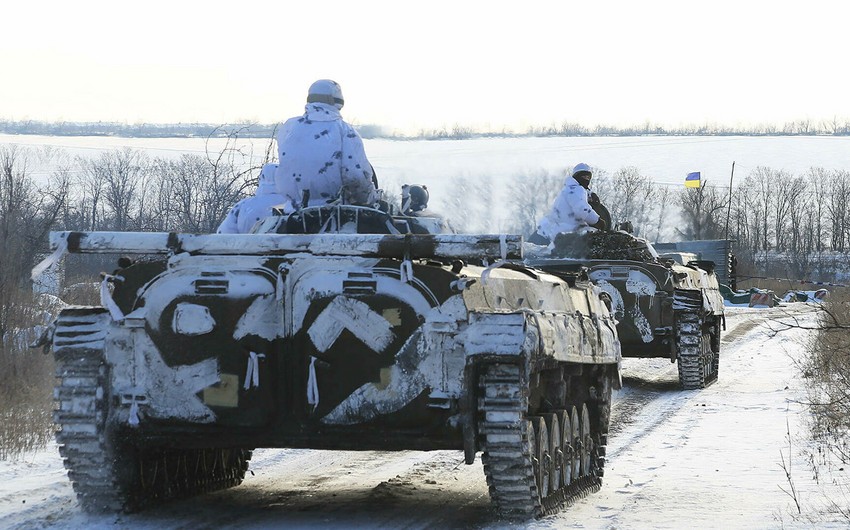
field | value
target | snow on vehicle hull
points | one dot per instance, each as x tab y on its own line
207	356
662	309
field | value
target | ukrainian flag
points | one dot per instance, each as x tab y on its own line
692	180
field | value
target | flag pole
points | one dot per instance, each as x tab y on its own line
729	209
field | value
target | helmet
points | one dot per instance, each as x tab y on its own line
326	91
581	167
414	198
582	174
266	185
418	198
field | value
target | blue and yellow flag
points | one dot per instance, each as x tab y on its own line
692	180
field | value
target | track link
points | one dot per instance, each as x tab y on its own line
508	438
107	472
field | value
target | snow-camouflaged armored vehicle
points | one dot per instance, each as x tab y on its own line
213	345
662	308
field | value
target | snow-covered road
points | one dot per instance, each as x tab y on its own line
710	458
704	459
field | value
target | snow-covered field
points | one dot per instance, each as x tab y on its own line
665	159
701	459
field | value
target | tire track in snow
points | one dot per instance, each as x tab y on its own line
651	392
657	424
408	489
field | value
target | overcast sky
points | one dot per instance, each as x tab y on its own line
407	66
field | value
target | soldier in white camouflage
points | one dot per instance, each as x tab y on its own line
572	209
321	157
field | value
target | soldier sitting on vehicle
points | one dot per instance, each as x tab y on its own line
414	203
245	213
320	156
574	208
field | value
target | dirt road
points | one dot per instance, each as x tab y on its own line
675	458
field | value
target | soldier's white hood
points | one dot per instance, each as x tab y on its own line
321	112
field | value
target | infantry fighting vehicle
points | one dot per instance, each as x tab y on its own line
662	308
311	334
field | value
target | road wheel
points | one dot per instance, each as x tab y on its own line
540	452
586	444
575	443
556	454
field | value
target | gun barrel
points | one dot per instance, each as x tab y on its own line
455	246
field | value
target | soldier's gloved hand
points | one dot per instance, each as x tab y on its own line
600	224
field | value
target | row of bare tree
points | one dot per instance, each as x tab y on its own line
126	190
27	213
799	220
797	225
117	190
773	214
837	126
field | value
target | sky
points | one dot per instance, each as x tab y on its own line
410	66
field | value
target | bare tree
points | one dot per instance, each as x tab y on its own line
462	205
832	126
89	203
742	223
119	177
197	195
468	205
826	371
161	214
799	233
837	205
235	162
531	199
786	191
629	196
27	211
760	181
663	198
702	210
26	214
818	183
485	210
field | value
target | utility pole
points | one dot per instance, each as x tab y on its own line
729	209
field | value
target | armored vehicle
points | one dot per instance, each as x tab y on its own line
662	308
209	346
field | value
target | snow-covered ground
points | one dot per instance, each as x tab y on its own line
701	459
